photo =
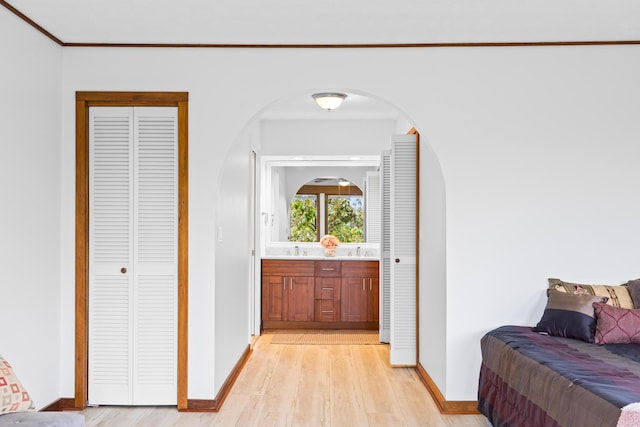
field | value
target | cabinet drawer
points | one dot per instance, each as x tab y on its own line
328	288
328	268
276	267
360	269
327	311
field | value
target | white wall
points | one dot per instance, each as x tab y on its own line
30	215
232	257
299	176
317	137
537	148
432	304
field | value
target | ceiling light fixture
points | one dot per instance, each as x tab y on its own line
329	100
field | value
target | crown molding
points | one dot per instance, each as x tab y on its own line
357	45
29	21
42	30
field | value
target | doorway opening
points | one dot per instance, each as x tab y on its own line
291	132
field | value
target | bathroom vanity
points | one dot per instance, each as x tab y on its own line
320	293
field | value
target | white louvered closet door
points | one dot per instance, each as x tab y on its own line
133	255
403	250
385	246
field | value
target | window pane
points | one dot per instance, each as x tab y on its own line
346	218
302	220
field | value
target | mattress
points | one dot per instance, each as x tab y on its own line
531	379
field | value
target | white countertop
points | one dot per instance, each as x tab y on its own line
322	258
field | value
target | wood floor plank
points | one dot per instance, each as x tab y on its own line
377	393
385	420
275	419
415	403
261	364
313	402
347	406
240	410
306	385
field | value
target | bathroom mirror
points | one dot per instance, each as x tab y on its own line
309	199
327	205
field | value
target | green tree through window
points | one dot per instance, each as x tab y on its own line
343	214
302	220
345	218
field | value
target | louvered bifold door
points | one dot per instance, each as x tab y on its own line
385	246
110	255
133	256
155	256
403	250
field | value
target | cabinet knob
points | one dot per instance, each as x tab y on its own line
123	270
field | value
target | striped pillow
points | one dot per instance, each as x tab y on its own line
619	295
568	315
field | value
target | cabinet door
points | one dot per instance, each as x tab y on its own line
373	300
272	297
353	306
300	298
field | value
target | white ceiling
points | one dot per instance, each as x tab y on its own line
333	21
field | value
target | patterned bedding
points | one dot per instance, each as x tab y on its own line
530	379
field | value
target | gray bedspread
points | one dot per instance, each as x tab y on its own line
42	419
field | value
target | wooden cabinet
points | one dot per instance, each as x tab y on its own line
272	297
360	288
288	290
319	294
299	299
327	292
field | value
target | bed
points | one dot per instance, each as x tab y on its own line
545	377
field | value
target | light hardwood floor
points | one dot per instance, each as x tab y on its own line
306	385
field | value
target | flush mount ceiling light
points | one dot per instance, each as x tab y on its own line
329	100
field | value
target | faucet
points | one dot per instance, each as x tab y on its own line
297	250
358	251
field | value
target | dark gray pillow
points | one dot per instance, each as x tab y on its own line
634	291
569	315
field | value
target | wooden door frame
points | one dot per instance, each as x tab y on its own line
84	100
414	131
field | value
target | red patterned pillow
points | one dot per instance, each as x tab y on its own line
615	325
13	396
